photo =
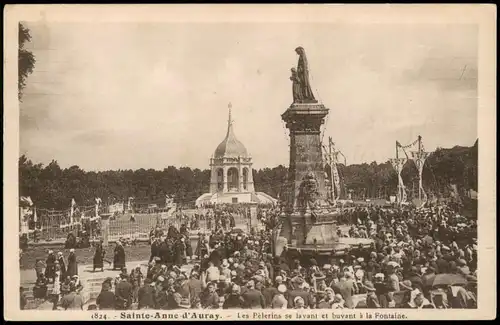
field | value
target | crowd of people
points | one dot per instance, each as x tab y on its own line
418	258
56	271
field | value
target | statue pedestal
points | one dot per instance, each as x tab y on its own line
305	239
300	231
304	121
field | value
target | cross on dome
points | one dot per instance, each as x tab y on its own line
230	121
230	146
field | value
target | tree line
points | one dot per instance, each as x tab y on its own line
52	187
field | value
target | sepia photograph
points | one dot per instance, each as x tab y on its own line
243	168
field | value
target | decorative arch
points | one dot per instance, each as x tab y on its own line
233	179
220	179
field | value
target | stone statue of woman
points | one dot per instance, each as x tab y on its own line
303	76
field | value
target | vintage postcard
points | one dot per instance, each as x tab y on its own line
249	162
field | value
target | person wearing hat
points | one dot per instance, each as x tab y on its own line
98	260
322	300
62	265
415	279
259	277
56	291
381	289
270	291
418	301
279	300
119	256
136	278
393	278
299	303
462	267
443	266
338	302
72	264
406	285
161	290
263	267
225	271
210	298
372	301
106	298
72	300
234	299
345	287
50	268
253	298
330	295
299	289
146	295
123	293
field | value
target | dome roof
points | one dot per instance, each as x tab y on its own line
230	147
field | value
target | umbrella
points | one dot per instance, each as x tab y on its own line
447	279
237	231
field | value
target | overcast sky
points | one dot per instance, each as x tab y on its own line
120	96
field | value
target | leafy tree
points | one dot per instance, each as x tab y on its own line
52	187
26	59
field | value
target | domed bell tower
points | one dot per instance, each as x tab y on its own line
231	165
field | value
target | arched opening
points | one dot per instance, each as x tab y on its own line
220	179
245	179
232	179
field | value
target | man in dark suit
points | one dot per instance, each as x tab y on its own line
123	293
119	257
146	296
106	299
416	279
216	255
155	249
210	298
253	298
270	291
298	290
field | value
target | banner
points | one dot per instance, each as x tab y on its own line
129	204
26	200
117	207
336	177
97	203
24	214
398	166
419	158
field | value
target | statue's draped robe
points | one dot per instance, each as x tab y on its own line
303	75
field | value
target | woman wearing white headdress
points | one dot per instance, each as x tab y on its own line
56	291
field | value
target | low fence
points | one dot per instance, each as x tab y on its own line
125	226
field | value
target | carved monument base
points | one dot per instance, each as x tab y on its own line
314	240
